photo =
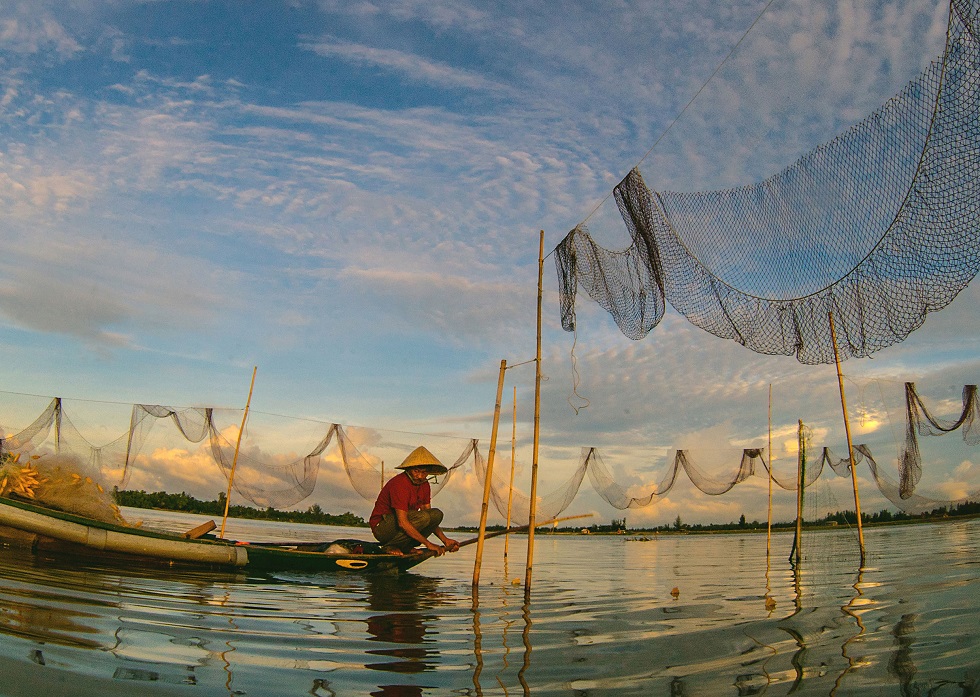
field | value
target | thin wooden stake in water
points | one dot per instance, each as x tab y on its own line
513	451
234	461
847	432
769	455
488	477
537	430
800	477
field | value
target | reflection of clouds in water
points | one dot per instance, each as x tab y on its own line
601	617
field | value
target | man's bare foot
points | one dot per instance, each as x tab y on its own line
394	551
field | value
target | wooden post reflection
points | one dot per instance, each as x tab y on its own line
526	637
477	642
849	610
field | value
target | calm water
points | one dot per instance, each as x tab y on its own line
602	621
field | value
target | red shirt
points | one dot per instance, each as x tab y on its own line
400	493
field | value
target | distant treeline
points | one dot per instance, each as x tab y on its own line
830	520
188	504
838	518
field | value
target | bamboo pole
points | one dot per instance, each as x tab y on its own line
769	457
57	427
800	476
234	462
537	429
488	477
847	432
513	455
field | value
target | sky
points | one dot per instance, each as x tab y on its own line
348	196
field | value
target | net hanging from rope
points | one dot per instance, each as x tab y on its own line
276	483
549	506
617	496
879	227
919	421
28	439
268	481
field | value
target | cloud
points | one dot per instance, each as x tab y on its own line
192	213
49	305
454	306
36	32
411	66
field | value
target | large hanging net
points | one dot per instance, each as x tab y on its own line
878	227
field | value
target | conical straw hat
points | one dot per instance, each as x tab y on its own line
420	457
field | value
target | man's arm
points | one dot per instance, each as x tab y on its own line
451	544
406	525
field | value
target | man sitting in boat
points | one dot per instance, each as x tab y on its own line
403	516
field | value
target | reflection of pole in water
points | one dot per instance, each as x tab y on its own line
848	610
477	642
526	637
797	587
503	637
224	654
770	601
742	681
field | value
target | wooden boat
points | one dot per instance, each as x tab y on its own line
45	529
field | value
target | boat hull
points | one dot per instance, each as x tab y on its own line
63	533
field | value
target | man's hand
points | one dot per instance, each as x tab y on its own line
451	545
436	548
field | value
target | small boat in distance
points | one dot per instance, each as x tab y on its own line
48	530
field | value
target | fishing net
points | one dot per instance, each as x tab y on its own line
28	439
878	227
278	481
920	422
58	481
547	507
617	497
267	480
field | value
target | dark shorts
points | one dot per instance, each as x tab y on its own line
389	534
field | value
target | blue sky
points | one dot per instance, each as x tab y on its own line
348	195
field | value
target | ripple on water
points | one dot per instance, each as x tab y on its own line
692	615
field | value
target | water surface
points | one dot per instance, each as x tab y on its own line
667	615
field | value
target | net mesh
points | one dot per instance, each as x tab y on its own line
263	479
919	421
878	227
547	507
58	482
278	481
